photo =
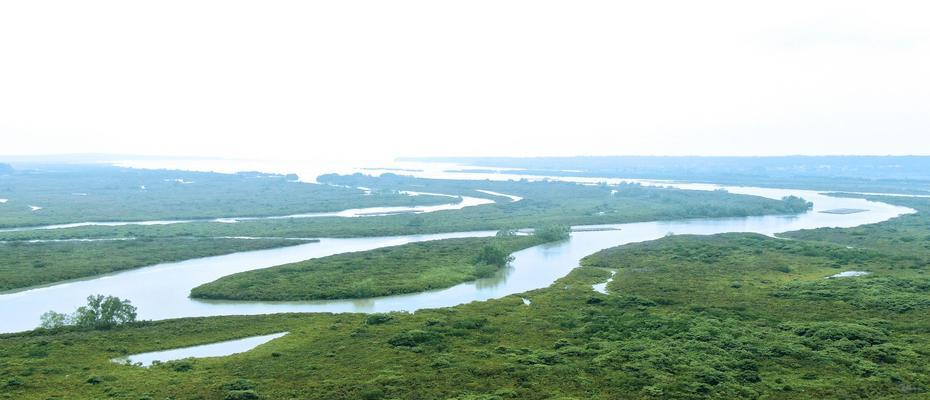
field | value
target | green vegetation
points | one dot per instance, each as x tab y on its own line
686	317
549	204
407	268
99	313
552	233
907	234
91	193
544	203
24	264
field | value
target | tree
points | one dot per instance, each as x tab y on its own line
52	320
492	254
104	312
552	233
797	204
101	312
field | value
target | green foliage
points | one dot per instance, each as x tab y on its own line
241	395
54	320
413	338
239	384
797	204
553	233
378	319
406	268
103	312
869	292
494	255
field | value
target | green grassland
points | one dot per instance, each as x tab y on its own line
408	268
27	264
101	193
544	203
686	317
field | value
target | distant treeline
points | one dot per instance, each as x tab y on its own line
856	173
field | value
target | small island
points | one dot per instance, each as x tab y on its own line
407	268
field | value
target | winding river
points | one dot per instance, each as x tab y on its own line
161	291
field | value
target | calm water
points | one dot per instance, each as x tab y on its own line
161	291
208	350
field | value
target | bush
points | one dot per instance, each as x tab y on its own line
378	319
180	365
13	382
469	323
492	254
52	320
239	384
241	395
797	204
413	338
553	233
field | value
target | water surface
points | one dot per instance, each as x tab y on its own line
217	349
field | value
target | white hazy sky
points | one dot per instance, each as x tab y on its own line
378	79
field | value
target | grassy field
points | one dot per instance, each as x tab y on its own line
726	316
407	268
100	193
27	264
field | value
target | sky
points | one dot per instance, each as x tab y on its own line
381	79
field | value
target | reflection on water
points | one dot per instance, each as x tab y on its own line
161	291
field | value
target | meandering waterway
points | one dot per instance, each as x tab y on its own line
161	291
